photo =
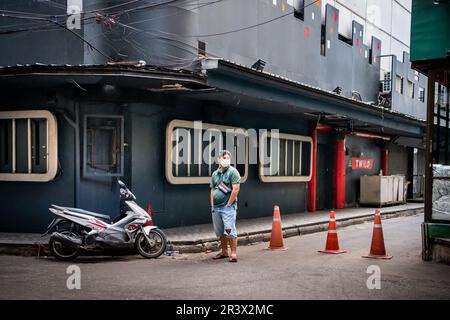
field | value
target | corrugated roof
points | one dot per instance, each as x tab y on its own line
9	69
317	89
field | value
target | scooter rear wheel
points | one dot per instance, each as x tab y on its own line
155	248
62	252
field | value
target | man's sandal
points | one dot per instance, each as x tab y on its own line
219	256
233	259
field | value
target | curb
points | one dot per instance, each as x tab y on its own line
212	244
24	249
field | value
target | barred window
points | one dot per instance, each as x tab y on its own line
192	149
28	146
284	158
399	84
421	94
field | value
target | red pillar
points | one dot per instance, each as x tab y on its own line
385	161
313	182
339	174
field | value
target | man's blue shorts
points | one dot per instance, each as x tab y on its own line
224	218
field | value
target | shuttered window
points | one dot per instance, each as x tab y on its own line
284	157
28	146
191	151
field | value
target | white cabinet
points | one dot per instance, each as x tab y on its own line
382	190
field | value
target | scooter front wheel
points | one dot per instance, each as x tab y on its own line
154	247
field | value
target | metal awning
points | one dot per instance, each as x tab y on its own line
228	83
273	93
410	142
145	78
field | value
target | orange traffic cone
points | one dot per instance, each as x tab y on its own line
377	249
276	239
149	211
332	245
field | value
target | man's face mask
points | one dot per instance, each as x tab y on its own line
225	162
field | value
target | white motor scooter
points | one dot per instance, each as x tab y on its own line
75	230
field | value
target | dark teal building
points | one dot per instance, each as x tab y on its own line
83	107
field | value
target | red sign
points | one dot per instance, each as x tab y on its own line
362	164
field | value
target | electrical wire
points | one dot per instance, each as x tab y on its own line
226	32
45	26
147	32
243	28
65	15
65	28
223	33
251	26
178	62
10	13
37	16
216	34
172	14
174	42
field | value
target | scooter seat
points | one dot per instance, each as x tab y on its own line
90	213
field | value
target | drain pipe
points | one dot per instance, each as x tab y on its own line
76	126
77	154
312	184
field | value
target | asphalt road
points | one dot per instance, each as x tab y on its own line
297	273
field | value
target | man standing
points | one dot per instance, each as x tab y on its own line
224	190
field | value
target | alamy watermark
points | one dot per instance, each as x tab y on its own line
205	144
74	280
74	9
374	280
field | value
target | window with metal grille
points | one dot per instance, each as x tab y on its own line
192	149
103	145
28	146
421	94
387	82
284	157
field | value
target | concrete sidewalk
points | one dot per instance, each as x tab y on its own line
200	238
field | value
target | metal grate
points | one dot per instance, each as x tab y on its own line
28	145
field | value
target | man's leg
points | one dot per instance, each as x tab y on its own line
233	245
219	230
224	245
230	229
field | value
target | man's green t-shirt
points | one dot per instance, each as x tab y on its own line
222	183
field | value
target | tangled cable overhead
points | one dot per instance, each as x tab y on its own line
111	18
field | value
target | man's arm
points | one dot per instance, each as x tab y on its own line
211	198
234	194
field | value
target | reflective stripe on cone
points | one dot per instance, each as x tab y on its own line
276	238
332	244
377	249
